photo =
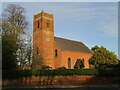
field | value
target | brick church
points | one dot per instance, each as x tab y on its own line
56	52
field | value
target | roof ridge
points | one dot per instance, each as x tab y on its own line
71	45
68	39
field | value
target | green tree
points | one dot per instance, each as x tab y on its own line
14	25
103	58
95	48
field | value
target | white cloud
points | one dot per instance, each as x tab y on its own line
109	28
81	13
106	14
73	10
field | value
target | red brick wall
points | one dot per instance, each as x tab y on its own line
73	79
74	56
47	49
46	52
62	59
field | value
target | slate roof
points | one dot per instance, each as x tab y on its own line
70	45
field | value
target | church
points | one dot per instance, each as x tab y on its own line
56	52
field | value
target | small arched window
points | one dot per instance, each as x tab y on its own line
69	63
38	24
56	53
37	51
48	24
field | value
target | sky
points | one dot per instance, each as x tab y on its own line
93	23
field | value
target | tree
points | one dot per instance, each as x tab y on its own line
103	58
24	53
14	25
9	48
95	48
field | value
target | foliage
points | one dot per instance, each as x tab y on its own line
24	53
13	25
62	72
44	67
61	68
103	58
95	48
14	20
9	48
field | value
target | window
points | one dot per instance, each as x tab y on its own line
47	24
38	24
69	63
37	51
56	53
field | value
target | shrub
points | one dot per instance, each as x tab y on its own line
96	72
45	67
61	68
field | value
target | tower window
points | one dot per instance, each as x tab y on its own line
56	53
37	51
38	24
48	24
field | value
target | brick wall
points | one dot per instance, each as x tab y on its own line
46	49
73	79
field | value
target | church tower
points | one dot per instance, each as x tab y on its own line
43	40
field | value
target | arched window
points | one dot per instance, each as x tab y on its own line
48	24
56	53
37	51
69	63
38	24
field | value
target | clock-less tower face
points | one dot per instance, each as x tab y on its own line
43	37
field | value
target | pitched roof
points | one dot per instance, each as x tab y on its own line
70	45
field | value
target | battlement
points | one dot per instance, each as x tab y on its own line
43	14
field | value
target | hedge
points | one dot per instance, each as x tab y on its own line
96	72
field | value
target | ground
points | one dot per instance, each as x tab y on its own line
62	87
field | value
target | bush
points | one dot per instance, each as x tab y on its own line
96	72
45	67
61	68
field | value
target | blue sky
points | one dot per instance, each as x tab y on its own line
93	23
